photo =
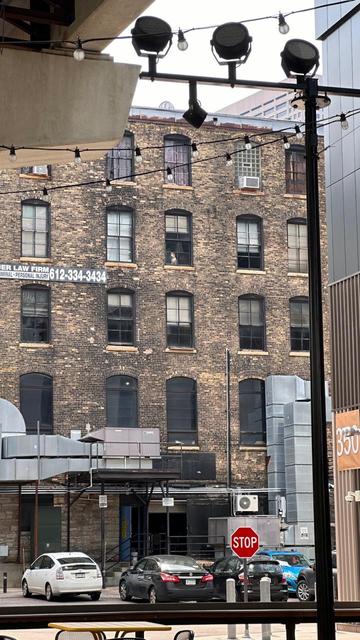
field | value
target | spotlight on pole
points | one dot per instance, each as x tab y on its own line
232	43
150	36
299	58
195	115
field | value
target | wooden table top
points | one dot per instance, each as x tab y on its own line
109	626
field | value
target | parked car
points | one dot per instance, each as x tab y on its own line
166	577
258	567
56	574
306	581
292	562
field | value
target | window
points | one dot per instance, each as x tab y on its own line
178	238
177	157
121	402
297	246
295	169
35	229
299	324
43	171
120	316
251	322
181	411
179	319
248	162
35	314
249	241
120	241
36	402
252	412
120	160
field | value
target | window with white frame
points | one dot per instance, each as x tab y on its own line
248	163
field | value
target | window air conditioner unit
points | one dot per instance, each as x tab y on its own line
249	182
244	503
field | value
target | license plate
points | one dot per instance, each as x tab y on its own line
80	574
190	581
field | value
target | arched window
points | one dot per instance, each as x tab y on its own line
252	322
120	234
178	157
120	316
249	242
120	160
181	411
179	319
178	237
252	412
121	402
297	245
35	314
36	402
299	324
35	229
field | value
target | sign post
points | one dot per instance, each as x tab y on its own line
245	543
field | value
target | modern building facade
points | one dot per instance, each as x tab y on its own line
338	28
273	105
118	307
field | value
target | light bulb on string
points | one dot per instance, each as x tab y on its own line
77	158
45	192
229	160
194	150
248	144
286	143
138	156
169	175
12	153
283	25
182	42
343	121
298	133
108	186
79	53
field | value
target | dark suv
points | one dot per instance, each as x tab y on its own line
306	581
258	567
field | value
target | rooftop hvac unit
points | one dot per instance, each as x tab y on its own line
246	503
250	182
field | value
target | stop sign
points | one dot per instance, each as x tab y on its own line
244	542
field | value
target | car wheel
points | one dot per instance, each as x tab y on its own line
48	592
123	591
152	595
303	592
95	596
25	589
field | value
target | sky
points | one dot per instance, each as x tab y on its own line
262	64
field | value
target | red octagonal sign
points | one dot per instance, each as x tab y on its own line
245	542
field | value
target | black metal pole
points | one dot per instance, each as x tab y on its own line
167	521
228	428
102	536
68	508
324	584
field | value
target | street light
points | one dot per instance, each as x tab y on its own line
299	58
232	43
150	36
195	115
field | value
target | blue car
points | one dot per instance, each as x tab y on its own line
292	562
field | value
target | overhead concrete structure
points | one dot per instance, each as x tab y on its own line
48	98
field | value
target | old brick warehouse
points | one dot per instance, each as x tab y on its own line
200	257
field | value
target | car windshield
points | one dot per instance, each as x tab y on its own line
293	560
76	560
180	564
264	567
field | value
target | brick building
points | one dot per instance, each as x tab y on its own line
213	260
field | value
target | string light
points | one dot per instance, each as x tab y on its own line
79	53
12	153
45	192
286	143
343	121
248	145
228	160
182	42
108	186
194	150
77	158
283	25
138	156
298	133
169	175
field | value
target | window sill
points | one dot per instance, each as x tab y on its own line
248	192
298	274
122	348
35	176
117	182
252	352
182	187
298	196
121	265
32	259
259	447
35	345
185	447
179	350
178	267
251	272
300	354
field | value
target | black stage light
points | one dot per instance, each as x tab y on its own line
151	35
231	41
299	58
195	115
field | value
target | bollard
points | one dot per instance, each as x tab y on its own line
265	596
231	597
4	582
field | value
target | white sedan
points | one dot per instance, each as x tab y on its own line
56	574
